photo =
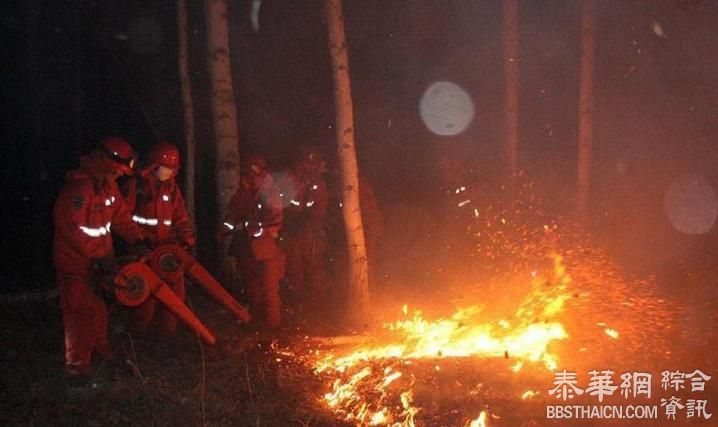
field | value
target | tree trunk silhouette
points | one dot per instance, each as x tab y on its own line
35	153
187	105
358	269
585	112
224	112
511	88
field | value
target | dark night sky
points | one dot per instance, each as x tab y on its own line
78	70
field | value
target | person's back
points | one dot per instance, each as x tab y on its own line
305	199
254	218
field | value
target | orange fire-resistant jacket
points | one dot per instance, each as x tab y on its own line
305	201
159	208
87	210
262	210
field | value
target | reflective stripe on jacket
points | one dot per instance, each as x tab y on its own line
86	213
159	208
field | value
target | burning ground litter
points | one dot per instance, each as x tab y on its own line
552	300
537	294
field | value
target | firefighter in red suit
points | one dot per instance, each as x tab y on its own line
159	209
87	211
305	200
254	217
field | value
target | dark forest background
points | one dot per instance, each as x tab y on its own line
77	70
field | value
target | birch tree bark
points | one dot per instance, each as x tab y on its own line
346	153
224	112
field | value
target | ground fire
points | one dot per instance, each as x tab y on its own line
417	370
336	213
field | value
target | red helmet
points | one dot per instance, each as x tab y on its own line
165	154
120	152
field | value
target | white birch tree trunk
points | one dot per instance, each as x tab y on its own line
224	113
358	269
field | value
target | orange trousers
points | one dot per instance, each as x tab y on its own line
84	319
261	279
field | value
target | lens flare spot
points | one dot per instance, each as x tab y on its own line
446	109
691	204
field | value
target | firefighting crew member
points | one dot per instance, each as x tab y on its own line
254	217
305	198
88	207
159	208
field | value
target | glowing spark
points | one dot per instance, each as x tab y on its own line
480	421
378	418
391	378
529	394
611	333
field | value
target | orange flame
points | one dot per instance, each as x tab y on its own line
357	373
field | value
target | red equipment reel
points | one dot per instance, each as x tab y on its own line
166	263
132	287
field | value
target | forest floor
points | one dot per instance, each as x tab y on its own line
246	379
154	381
252	379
